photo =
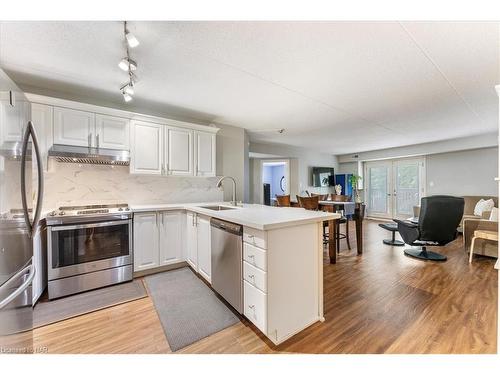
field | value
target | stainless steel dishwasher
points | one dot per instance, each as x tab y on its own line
227	244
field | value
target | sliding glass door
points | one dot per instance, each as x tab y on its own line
393	187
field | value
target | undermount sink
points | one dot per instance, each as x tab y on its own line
218	208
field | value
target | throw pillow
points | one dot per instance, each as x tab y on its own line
488	205
478	210
494	214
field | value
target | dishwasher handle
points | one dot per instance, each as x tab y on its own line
227	226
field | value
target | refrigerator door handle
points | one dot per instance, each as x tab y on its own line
21	288
30	131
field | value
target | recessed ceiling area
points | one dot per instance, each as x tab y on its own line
335	87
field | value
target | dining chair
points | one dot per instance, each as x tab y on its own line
283	200
309	203
344	219
322	197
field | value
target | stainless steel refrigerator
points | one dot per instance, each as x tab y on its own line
21	192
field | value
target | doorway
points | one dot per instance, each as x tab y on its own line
275	180
394	187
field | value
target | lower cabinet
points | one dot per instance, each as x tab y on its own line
146	241
204	247
158	239
198	244
191	240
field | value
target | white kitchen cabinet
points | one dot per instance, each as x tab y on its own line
171	237
42	118
112	132
191	240
204	247
13	119
73	127
146	148
205	154
146	241
179	151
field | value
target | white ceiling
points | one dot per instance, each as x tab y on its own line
336	87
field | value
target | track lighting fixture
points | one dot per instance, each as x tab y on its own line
128	65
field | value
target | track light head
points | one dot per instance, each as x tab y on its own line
131	39
127	64
126	97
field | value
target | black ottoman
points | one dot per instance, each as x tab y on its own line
392	227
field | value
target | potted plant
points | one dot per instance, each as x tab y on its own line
354	180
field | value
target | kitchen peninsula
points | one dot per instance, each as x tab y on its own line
282	252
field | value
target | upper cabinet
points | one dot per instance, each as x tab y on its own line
205	154
80	128
112	132
42	118
179	151
13	119
147	148
171	151
74	128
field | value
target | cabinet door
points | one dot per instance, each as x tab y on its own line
112	132
179	153
205	154
42	116
191	241
204	247
146	241
146	150
12	120
74	128
171	237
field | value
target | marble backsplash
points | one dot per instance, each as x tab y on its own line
75	184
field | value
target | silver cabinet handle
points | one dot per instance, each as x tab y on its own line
192	220
251	276
90	140
21	288
97	140
251	236
162	218
162	168
251	306
251	256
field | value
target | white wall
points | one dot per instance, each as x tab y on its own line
470	172
232	160
301	162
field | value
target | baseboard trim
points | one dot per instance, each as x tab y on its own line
160	269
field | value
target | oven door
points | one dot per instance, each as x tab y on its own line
83	248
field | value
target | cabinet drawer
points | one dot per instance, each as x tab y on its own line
255	256
255	306
255	276
255	237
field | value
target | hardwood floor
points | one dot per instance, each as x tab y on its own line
380	302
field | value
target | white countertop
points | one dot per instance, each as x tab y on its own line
251	215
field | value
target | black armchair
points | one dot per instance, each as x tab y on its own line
437	225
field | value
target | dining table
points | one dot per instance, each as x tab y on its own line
355	210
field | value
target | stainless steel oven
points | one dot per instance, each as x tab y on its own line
88	252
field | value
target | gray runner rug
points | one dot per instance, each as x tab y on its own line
188	309
48	312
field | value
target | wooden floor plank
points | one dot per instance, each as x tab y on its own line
380	302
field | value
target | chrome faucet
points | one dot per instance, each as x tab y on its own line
219	185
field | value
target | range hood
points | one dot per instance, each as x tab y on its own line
89	155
